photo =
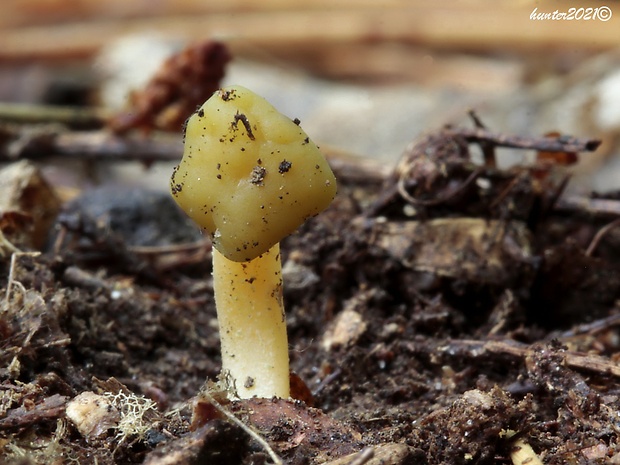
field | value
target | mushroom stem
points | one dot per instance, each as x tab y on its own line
248	297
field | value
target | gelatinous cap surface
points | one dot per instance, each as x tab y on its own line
249	175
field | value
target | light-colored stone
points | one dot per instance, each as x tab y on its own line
92	414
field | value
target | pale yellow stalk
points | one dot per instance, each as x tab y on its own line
248	297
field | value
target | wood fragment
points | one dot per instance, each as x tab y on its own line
101	145
590	328
547	144
589	206
19	142
111	246
476	349
72	117
50	408
436	171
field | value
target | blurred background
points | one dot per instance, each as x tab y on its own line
364	77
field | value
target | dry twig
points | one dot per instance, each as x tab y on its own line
546	144
599	236
233	419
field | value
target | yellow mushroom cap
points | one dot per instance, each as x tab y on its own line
249	175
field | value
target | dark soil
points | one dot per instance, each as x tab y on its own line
431	315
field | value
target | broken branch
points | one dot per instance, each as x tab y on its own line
547	144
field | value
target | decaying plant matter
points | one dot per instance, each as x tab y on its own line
183	82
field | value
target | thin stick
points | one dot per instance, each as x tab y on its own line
11	279
6	245
105	146
170	248
599	236
547	144
276	460
69	116
488	149
22	142
591	328
586	205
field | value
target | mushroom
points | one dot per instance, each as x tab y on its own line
249	177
